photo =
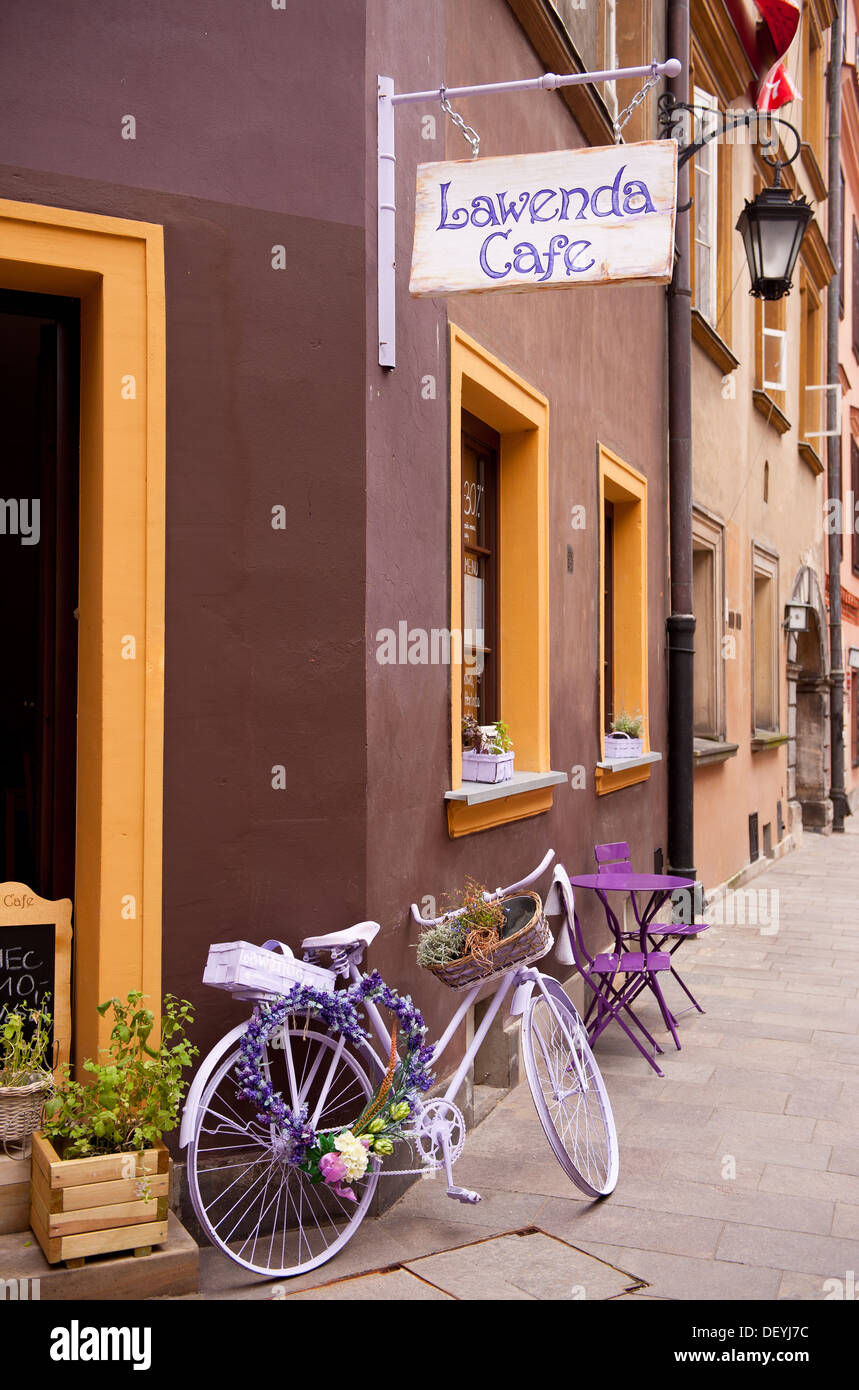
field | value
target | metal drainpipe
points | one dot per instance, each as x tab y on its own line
840	804
681	621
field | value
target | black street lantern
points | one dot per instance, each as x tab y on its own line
772	226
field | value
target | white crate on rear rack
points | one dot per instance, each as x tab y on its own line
247	970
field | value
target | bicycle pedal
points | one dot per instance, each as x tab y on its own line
463	1194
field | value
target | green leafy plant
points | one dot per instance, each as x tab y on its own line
25	1045
447	940
134	1095
485	738
500	742
631	724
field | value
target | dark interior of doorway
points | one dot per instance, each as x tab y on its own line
39	463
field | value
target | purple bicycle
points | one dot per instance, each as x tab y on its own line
252	1194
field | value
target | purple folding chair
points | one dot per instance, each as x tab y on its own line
614	858
610	1000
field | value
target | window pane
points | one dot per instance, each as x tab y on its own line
479	560
706	656
608	617
764	617
705	209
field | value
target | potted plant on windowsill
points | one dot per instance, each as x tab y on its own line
625	739
99	1176
25	1075
487	752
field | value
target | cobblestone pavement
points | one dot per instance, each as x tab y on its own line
739	1170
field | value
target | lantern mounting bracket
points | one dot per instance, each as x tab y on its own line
773	224
721	123
388	98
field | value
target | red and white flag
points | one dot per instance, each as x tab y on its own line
781	17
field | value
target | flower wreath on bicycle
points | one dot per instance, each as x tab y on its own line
340	1159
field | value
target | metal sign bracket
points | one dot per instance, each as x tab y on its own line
388	98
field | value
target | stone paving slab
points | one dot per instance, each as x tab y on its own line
392	1284
739	1174
526	1265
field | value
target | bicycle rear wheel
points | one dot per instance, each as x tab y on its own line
576	1118
252	1203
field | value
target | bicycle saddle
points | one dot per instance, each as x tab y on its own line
362	932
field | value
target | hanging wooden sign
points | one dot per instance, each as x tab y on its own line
594	216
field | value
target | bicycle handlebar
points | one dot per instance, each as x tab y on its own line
490	897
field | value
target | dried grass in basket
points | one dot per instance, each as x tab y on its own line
528	937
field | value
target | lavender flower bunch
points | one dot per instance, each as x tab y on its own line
338	1012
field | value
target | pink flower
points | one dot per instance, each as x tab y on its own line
332	1166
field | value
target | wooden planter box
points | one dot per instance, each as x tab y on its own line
86	1206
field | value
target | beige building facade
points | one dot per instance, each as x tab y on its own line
761	692
846	516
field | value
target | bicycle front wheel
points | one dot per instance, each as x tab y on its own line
571	1101
253	1204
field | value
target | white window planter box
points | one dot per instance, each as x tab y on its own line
486	767
622	746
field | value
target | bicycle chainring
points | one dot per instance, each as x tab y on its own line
434	1117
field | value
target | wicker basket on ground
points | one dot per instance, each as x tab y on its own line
21	1109
525	937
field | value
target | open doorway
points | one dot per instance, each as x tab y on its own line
39	467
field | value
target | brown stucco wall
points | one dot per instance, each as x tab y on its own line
599	357
256	128
264	644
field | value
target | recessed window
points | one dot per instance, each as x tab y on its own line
813	104
709	608
764	641
772	349
812	401
499	581
705	211
480	454
623	616
855	270
608	616
851	513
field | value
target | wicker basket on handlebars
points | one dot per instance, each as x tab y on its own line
525	937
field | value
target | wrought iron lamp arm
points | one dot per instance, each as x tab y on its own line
722	122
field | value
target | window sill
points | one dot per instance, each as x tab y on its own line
765	739
474	793
712	750
478	806
715	347
813	170
770	411
613	774
809	455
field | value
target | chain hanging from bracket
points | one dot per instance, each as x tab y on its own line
620	120
468	131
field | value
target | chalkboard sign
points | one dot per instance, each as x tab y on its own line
26	964
35	956
27	967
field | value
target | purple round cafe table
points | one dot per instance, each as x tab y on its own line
659	886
